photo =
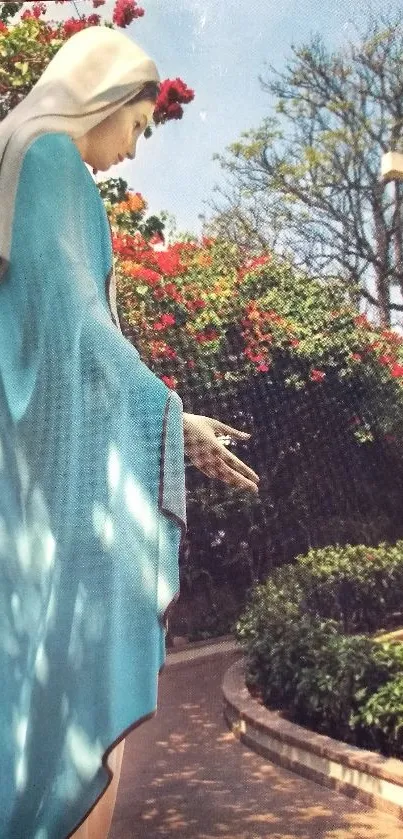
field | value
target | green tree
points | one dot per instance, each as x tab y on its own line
307	181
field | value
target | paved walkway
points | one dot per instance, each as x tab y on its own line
185	776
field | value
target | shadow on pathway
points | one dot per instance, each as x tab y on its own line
185	776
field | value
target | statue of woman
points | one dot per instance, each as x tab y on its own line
92	444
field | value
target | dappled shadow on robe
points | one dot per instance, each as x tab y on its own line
88	569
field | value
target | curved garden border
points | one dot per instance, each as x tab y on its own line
375	780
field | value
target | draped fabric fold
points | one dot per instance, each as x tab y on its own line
92	505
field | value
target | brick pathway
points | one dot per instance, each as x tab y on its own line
185	776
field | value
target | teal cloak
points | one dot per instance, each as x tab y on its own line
92	505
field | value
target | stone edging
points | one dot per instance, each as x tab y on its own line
375	780
181	644
190	654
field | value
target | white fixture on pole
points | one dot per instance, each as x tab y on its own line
392	166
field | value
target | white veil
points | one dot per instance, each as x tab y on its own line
93	74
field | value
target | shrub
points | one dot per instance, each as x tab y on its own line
380	720
331	687
300	658
361	587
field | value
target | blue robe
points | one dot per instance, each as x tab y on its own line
92	506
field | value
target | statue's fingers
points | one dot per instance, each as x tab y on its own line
243	468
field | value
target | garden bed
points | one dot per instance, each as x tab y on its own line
375	780
323	645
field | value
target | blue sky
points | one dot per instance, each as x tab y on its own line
219	48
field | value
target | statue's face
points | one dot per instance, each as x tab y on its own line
116	136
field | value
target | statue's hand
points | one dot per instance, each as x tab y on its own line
205	451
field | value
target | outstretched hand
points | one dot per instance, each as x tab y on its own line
207	452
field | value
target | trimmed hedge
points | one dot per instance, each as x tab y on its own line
301	654
361	587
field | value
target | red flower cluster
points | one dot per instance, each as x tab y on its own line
317	375
391	336
159	349
274	316
252	264
184	246
253	356
168	290
95	3
125	12
173	94
194	305
397	370
263	367
73	25
3	27
129	246
170	381
165	320
147	275
386	359
169	262
37	10
209	334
